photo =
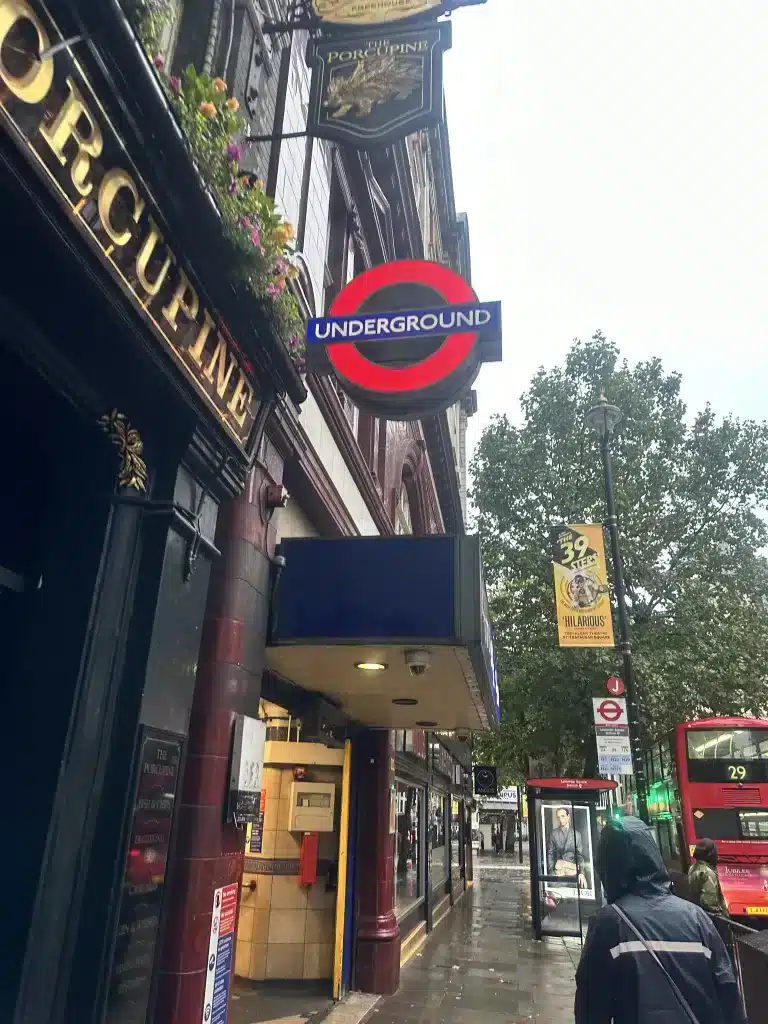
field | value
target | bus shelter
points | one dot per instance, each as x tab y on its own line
562	832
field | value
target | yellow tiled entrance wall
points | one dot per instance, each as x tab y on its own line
286	931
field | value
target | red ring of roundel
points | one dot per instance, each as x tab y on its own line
351	364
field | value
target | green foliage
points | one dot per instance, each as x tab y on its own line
151	18
690	493
212	125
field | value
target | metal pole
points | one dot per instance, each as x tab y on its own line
633	711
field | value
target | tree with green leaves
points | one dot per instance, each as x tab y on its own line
691	493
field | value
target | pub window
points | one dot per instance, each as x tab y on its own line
665	766
408	873
438	847
456	836
403	521
656	763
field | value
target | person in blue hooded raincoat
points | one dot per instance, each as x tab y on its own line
618	979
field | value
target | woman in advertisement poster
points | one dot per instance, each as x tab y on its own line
565	849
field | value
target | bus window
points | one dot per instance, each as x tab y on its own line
717	823
754	824
727	744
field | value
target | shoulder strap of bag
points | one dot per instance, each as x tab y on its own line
679	995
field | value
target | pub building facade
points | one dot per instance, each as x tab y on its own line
156	422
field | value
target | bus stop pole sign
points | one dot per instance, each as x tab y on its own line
614	750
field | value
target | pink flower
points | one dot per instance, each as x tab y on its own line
159	62
174	84
234	152
256	238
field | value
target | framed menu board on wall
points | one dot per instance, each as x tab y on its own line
155	793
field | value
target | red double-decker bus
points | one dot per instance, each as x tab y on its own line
709	780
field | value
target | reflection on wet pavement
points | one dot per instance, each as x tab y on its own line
481	966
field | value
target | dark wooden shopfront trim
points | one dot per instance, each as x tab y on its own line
131	92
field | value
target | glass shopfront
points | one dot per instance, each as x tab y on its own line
438	845
456	835
409	885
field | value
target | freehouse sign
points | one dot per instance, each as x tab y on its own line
56	118
378	12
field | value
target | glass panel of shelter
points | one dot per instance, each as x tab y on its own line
565	886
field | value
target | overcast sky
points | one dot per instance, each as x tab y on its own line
613	162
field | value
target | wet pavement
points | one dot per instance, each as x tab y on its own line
481	966
278	1002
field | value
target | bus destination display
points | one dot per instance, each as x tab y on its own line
716	770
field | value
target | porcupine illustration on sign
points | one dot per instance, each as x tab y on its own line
375	80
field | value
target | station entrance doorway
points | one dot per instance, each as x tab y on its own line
563	835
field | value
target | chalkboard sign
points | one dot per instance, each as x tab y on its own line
141	898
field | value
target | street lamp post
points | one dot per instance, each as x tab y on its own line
604	418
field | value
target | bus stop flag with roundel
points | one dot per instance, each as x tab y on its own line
405	339
614	750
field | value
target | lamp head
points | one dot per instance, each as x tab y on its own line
604	417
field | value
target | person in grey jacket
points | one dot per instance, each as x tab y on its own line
618	978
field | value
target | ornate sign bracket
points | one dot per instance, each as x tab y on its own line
299	16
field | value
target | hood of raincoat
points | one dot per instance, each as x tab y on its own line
629	860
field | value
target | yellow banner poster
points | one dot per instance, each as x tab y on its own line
582	596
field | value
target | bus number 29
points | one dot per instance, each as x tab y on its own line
737	772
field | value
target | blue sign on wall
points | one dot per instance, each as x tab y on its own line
484	317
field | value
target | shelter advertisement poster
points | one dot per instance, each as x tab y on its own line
582	595
565	849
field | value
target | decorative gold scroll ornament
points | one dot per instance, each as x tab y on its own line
133	469
370	12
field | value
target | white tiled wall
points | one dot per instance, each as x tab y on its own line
311	419
293	521
291	171
316	233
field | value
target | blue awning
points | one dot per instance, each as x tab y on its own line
343	603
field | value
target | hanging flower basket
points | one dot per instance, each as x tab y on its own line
262	242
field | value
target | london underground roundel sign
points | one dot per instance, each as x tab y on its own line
405	339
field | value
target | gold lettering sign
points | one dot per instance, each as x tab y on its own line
52	112
371	12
